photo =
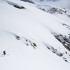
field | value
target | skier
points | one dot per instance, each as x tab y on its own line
4	52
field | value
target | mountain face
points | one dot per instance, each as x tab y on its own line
56	3
34	36
54	10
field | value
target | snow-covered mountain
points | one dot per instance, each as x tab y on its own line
32	38
57	3
59	12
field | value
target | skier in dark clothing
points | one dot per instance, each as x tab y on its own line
4	52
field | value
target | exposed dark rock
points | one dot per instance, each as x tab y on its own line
57	10
61	54
67	26
65	59
32	44
26	41
64	55
17	37
28	1
48	47
65	52
20	7
68	15
56	51
15	5
65	40
53	10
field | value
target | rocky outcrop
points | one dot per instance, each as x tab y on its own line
26	41
53	10
15	5
65	40
67	26
64	55
28	1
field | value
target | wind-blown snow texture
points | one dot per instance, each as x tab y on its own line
33	38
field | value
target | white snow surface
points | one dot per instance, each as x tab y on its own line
33	24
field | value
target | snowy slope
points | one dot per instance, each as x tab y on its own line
59	12
30	38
